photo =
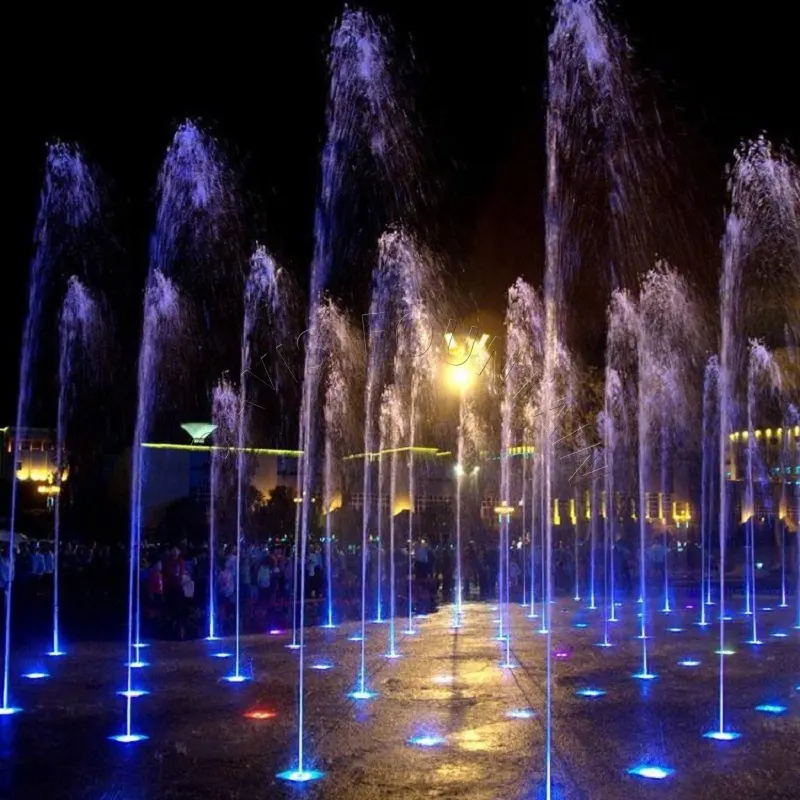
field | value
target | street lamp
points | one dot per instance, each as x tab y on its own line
459	377
504	510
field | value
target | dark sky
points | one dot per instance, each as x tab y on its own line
257	78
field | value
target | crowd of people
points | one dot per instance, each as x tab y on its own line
178	582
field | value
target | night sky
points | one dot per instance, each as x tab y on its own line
257	79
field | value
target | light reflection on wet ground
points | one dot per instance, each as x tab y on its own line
448	691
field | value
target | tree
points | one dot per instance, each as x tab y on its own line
276	517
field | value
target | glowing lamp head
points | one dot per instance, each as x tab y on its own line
458	377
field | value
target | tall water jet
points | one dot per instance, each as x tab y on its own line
587	89
78	332
458	370
524	506
620	400
68	202
608	434
763	375
593	516
390	426
377	345
524	322
328	498
646	371
343	376
192	199
535	516
409	630
667	342
665	451
504	519
162	321
224	416
213	486
457	606
379	515
362	105
261	290
419	289
710	406
763	212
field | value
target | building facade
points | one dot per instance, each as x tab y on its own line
177	471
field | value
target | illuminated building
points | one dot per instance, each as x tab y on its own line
433	472
184	470
776	473
29	451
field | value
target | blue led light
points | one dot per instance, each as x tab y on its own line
427	740
651	772
590	692
300	775
722	736
236	678
771	708
128	738
361	695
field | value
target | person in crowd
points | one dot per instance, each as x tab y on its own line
264	579
174	568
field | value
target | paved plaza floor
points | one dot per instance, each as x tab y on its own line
205	742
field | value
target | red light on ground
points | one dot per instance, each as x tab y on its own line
258	713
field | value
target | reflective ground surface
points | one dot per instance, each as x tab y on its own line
448	690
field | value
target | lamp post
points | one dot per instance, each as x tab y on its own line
459	377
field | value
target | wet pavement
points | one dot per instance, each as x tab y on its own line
448	685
